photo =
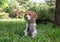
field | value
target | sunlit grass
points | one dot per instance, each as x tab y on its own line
12	31
12	19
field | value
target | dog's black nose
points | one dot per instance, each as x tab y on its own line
26	17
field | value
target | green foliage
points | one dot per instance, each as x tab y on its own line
21	6
13	32
44	11
4	15
1	15
3	3
6	9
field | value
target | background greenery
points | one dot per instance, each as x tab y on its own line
12	31
45	11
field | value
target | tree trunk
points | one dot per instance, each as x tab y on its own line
57	13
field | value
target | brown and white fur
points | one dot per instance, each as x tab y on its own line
30	18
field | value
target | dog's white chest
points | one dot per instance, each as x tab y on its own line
31	27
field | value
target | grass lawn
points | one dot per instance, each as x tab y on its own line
12	31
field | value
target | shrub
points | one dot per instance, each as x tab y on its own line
6	9
4	16
44	12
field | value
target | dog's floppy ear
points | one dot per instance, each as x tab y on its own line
35	16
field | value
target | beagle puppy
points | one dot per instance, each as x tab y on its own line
30	18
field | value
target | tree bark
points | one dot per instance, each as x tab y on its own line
57	13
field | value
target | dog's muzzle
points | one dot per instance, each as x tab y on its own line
28	17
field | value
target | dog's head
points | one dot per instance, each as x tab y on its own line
30	16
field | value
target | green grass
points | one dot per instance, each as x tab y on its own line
12	31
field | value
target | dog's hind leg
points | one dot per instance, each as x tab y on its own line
34	33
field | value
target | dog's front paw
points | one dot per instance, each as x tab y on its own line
33	36
25	33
